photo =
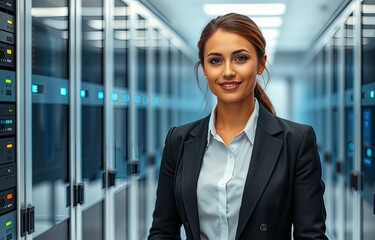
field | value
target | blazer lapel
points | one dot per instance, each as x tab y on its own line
192	158
264	157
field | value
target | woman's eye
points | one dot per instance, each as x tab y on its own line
215	61
241	58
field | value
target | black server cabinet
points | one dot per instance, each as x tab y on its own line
368	124
8	164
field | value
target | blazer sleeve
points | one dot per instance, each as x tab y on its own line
308	205
166	221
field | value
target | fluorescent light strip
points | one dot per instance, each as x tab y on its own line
117	24
247	9
365	20
368	8
57	24
94	36
50	12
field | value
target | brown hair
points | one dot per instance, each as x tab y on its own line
246	28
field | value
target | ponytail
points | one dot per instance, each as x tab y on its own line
261	95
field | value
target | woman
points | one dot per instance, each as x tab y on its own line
242	172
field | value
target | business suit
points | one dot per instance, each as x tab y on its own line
283	184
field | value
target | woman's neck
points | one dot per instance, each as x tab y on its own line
231	118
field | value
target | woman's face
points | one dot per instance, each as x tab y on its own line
231	66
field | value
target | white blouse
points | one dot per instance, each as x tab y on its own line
222	179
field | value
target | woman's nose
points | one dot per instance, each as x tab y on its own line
229	71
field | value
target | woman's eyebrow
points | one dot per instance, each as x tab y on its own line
214	54
233	53
240	50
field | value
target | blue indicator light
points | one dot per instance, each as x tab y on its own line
372	94
83	93
126	97
351	147
63	91
34	88
369	152
100	95
114	97
145	99
137	99
155	101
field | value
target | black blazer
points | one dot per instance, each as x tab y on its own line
283	184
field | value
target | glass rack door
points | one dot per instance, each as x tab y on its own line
349	147
92	119
121	117
50	119
368	121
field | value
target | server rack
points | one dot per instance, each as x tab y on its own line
343	103
8	121
367	163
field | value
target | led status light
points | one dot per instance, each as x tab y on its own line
8	224
9	145
145	99
6	121
9	196
115	97
9	51
83	93
9	21
126	97
100	95
372	94
155	101
369	152
8	81
34	88
137	99
351	147
63	91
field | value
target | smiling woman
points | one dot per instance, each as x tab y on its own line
232	36
240	153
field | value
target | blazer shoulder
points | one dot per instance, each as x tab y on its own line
295	128
191	129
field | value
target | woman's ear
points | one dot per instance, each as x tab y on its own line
204	72
262	64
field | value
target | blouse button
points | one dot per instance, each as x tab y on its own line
187	225
263	227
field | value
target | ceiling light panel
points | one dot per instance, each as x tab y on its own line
269	9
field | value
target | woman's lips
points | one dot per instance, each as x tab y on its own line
230	85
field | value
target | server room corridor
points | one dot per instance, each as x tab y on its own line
90	88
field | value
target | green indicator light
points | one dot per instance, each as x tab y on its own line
7	224
7	80
10	110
